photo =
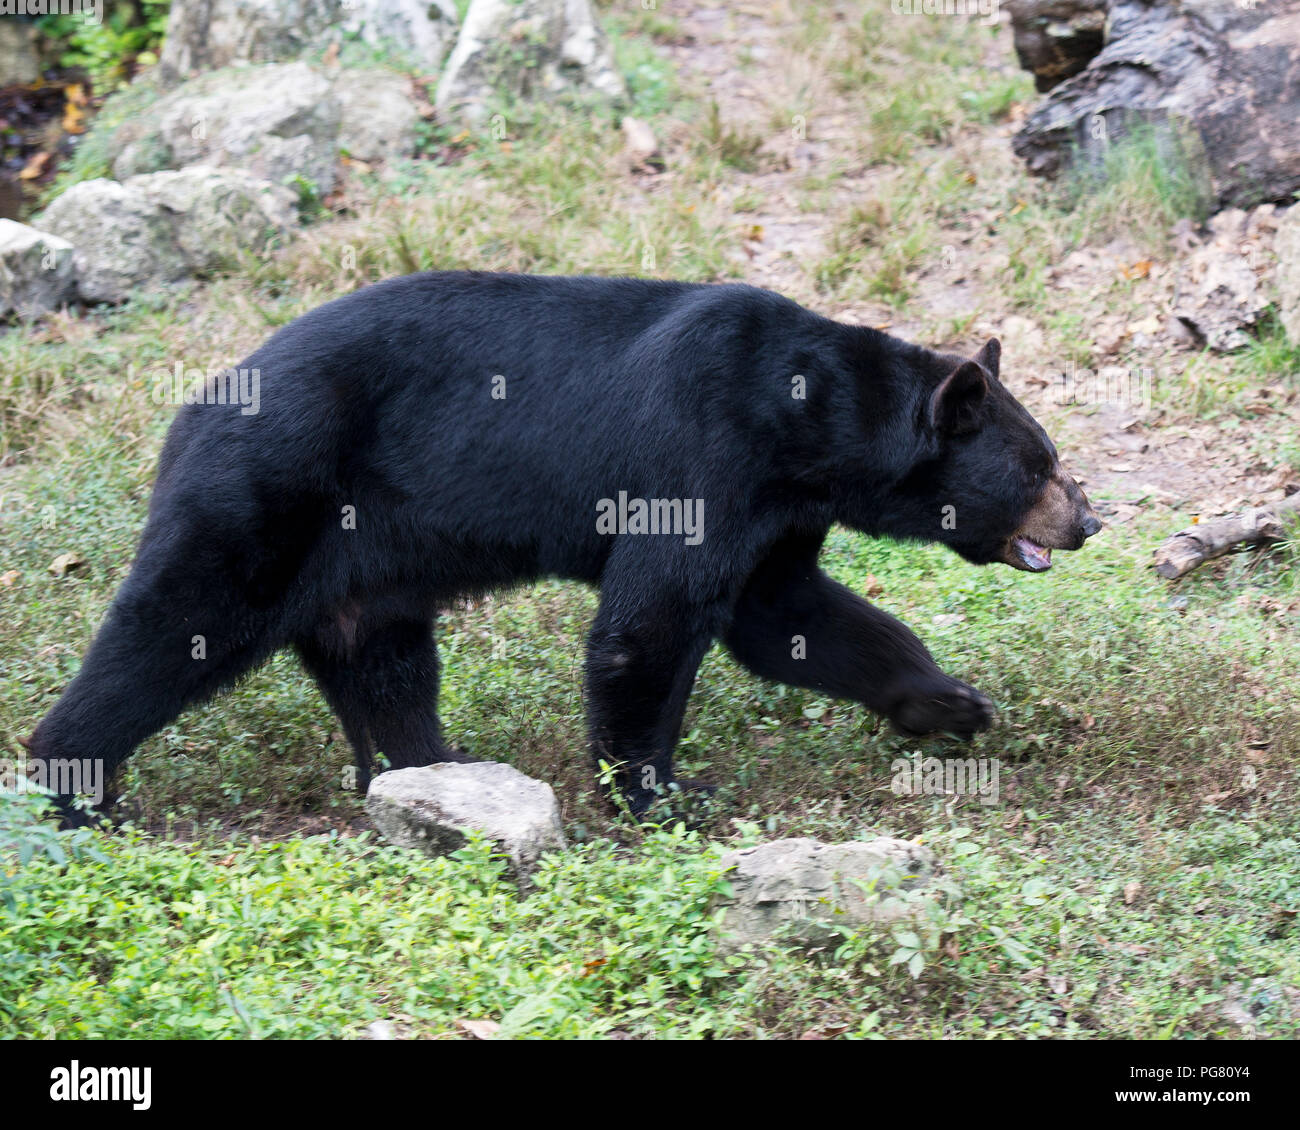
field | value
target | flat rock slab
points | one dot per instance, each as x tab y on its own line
434	808
806	890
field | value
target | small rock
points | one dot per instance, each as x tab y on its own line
433	808
806	889
36	271
533	49
641	146
1261	1007
216	214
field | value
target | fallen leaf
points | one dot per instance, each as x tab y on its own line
35	166
479	1029
1131	892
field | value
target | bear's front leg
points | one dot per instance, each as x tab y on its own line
642	656
795	625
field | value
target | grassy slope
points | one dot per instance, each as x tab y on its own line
1141	860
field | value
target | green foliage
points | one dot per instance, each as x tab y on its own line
130	34
26	836
318	937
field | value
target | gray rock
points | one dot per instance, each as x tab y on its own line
217	214
277	122
1261	1008
208	34
1217	290
804	890
36	270
1286	279
419	32
122	240
377	117
433	808
158	228
19	59
538	49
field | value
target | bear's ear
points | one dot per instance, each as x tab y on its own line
989	355
955	404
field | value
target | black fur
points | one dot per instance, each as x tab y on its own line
383	401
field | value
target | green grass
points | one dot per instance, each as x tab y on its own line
1146	180
1057	935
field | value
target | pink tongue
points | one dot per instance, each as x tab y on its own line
1034	555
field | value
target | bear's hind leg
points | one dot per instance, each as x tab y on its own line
381	679
176	634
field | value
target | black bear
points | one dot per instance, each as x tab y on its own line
686	447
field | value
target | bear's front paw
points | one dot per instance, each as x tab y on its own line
950	706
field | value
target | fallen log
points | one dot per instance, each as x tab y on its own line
1191	547
1216	81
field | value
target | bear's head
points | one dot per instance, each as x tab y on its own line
990	485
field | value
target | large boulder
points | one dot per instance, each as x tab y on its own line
1286	246
537	49
208	34
217	215
36	270
157	228
377	116
418	32
122	239
434	808
1219	80
804	891
277	122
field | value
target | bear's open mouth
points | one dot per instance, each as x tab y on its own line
1037	558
